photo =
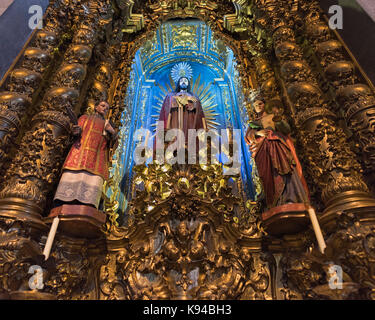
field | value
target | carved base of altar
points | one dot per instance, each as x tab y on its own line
286	219
79	220
31	295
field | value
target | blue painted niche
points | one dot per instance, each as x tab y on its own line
214	74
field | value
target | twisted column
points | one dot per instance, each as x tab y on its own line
104	76
23	84
266	77
36	167
355	100
331	163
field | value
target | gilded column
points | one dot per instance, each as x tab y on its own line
36	166
266	76
107	70
355	100
331	163
22	85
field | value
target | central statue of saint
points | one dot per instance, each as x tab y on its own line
182	109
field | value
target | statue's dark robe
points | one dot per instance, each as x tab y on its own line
192	112
279	168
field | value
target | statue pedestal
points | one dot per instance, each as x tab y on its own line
286	219
79	220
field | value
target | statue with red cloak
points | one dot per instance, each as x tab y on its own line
285	189
86	168
182	109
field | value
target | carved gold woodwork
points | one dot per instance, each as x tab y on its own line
22	83
351	247
189	233
36	166
185	224
266	77
104	79
354	97
332	164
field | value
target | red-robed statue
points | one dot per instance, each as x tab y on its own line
86	166
85	169
182	109
280	171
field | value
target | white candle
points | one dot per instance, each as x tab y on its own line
51	237
317	230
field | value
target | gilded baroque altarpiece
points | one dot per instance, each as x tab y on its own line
187	235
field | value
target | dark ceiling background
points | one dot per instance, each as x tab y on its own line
358	33
14	30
